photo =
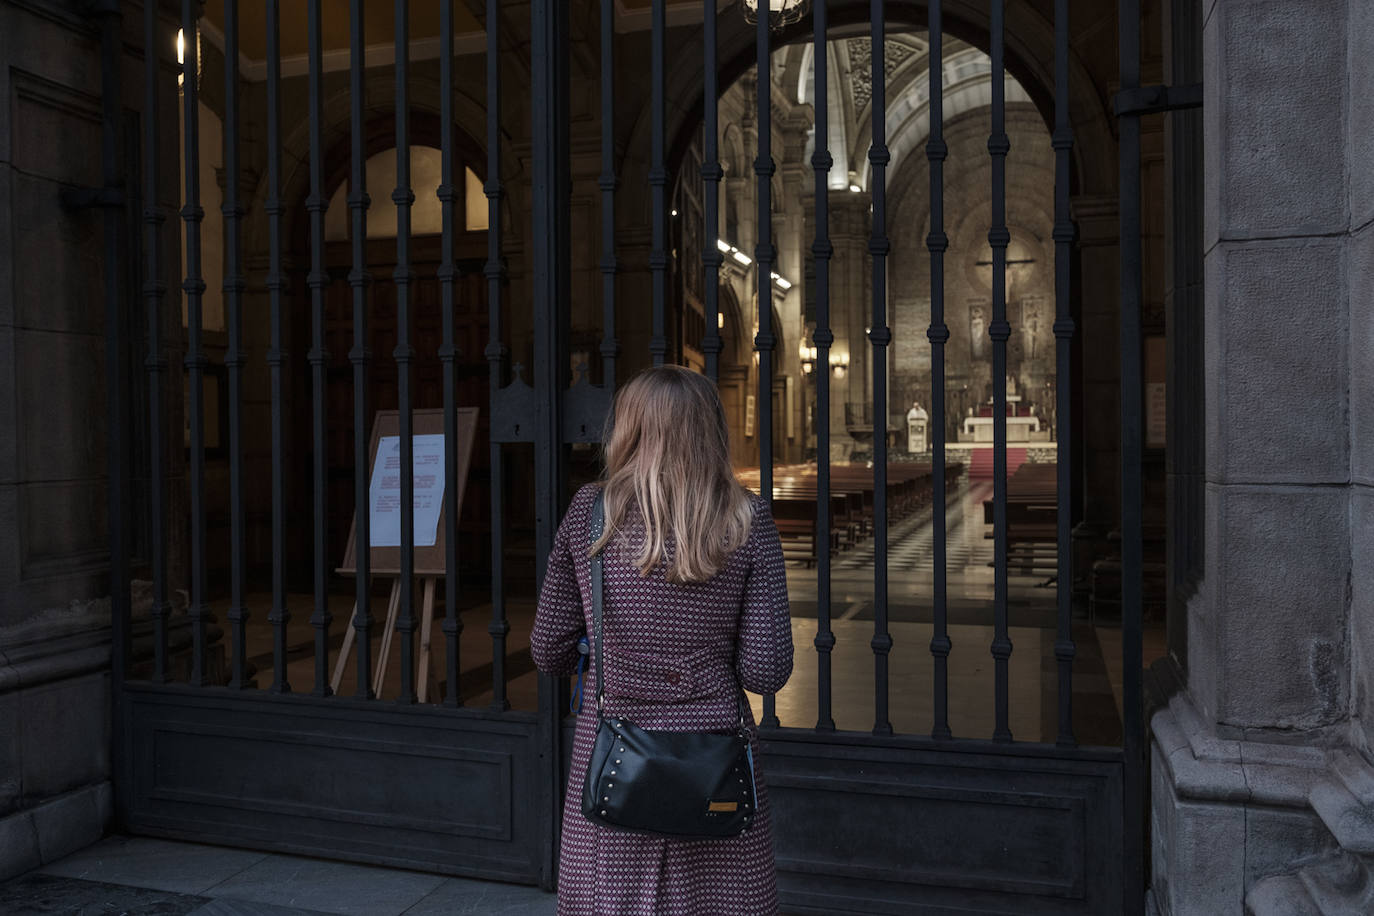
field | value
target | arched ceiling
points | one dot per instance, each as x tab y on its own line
966	75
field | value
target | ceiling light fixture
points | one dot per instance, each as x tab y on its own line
781	13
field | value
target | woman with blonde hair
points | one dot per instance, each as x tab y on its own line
694	608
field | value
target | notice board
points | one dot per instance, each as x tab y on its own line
431	504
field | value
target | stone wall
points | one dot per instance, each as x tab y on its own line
55	791
1264	753
968	284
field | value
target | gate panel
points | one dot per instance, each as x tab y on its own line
866	822
237	755
913	825
412	787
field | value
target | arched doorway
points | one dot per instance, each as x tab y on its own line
470	320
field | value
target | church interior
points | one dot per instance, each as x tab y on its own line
1033	449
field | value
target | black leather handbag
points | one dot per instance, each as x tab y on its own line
678	784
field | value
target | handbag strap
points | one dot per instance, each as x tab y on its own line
597	523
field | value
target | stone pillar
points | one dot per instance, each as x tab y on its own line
1099	411
792	243
1260	798
55	789
851	309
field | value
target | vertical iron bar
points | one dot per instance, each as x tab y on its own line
549	217
117	406
764	256
154	290
1131	512
711	174
194	288
280	615
319	357
1064	649
404	353
823	337
361	354
233	211
881	335
448	353
499	628
658	182
548	122
607	183
938	335
999	330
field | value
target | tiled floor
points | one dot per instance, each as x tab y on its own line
135	876
1031	613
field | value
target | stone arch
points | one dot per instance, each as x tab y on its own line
1029	55
469	127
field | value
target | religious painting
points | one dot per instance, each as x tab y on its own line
978	332
1034	328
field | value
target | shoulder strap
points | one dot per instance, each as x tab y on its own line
597	523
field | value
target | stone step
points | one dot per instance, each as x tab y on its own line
1280	895
1345	803
1339	884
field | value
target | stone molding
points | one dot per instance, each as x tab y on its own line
1296	821
66	642
1204	767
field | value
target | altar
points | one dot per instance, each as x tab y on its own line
1019	429
1023	425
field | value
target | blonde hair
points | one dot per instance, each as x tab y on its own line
667	459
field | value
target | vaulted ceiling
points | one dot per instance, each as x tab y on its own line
378	25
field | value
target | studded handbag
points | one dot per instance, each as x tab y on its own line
681	784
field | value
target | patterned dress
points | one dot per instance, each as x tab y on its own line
674	656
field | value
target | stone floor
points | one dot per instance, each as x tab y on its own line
1031	614
139	876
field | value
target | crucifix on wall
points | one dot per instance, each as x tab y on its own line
1011	274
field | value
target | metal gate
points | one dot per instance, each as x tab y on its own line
870	821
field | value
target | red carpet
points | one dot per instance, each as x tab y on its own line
980	462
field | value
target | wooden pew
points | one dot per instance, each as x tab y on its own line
796	490
1032	517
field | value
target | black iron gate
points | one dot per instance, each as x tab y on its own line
866	821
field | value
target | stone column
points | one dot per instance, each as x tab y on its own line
792	243
1099	411
1260	797
851	309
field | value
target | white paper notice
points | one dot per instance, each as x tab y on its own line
385	492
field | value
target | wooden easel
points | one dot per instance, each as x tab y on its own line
393	607
429	560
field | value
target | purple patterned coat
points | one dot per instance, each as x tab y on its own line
674	655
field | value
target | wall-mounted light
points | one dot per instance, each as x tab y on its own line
720	321
726	248
782	281
808	358
839	364
674	211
